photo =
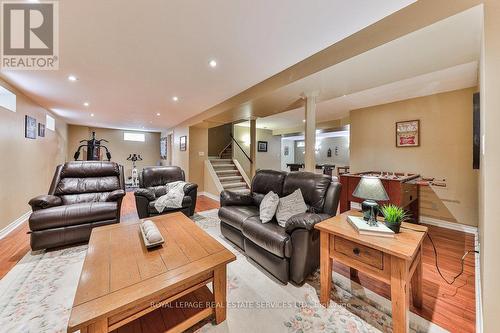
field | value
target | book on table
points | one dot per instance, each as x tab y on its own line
360	225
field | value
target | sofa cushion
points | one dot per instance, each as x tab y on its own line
313	187
266	181
186	202
270	236
289	206
268	207
62	216
160	175
236	215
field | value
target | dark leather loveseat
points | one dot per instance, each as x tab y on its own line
152	182
83	195
290	253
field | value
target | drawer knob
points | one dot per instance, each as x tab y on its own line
356	251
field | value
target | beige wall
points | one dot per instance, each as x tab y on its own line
265	160
180	158
489	225
445	149
218	138
198	151
28	165
119	148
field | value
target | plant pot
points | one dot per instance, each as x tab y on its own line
393	226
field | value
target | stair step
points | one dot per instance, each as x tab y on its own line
227	172
222	160
223	165
234	185
243	190
231	178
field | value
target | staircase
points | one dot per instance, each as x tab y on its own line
228	174
227	152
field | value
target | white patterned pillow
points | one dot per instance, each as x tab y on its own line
289	206
268	206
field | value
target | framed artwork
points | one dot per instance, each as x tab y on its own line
286	151
163	148
41	130
29	127
408	133
183	143
262	146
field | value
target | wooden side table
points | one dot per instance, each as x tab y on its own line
396	261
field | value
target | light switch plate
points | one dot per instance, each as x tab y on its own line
201	153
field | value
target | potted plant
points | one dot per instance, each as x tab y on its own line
394	215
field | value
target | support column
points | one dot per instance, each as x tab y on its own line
253	147
310	132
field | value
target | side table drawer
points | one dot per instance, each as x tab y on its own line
361	253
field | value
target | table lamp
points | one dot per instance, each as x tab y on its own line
370	189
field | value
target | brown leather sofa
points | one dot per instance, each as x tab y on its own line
83	195
152	182
290	253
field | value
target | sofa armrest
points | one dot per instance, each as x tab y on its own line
45	201
116	195
229	198
145	193
190	187
305	221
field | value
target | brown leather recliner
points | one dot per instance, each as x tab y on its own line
290	253
152	182
83	195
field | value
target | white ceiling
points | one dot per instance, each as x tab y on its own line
132	57
438	58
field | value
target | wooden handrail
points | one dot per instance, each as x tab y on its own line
248	157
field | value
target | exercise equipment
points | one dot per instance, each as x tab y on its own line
93	149
135	174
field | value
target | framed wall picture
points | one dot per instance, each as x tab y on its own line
29	127
408	133
163	148
286	151
183	143
262	146
41	130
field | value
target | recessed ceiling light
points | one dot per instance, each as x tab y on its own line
91	114
213	63
158	114
175	98
72	78
86	104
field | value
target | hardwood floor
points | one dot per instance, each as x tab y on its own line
451	307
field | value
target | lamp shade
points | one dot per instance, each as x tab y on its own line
370	188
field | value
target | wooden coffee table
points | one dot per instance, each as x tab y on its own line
123	286
396	261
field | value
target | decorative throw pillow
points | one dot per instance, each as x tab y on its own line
268	206
289	206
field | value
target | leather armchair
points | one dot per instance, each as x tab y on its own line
290	253
83	195
152	181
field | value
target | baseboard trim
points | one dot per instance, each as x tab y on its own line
479	300
448	225
210	195
13	225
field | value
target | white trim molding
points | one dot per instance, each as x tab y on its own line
210	195
479	300
448	225
13	225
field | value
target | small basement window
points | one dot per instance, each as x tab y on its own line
129	136
7	99
50	123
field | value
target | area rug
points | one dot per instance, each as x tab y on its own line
37	294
